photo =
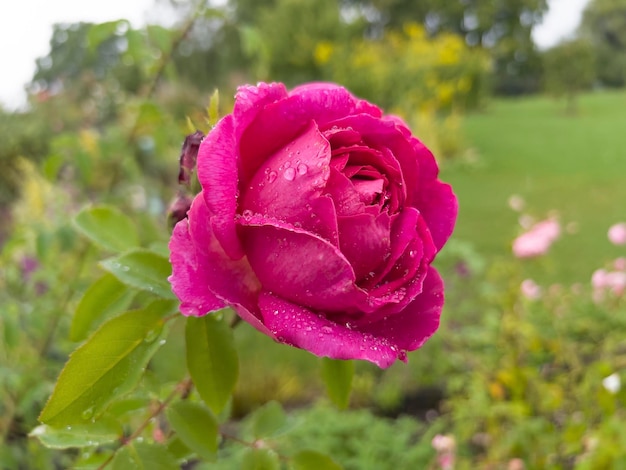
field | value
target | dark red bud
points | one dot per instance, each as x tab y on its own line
188	156
178	208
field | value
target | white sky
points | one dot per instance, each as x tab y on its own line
26	27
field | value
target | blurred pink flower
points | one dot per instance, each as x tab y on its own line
516	202
603	281
617	234
537	240
516	464
526	221
530	289
445	446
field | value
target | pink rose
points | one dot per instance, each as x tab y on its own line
617	234
317	222
530	289
537	240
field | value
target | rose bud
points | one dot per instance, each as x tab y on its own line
188	155
318	221
178	209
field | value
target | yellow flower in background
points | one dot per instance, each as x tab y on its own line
36	192
445	93
89	141
414	30
322	52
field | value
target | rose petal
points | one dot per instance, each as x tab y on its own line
343	193
403	270
278	123
329	101
252	319
418	321
290	178
250	100
217	173
230	280
364	241
403	231
298	326
299	266
439	207
384	134
189	279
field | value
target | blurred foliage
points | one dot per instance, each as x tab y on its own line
21	135
503	28
427	74
569	69
604	26
293	61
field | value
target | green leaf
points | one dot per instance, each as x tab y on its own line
337	375
178	449
107	366
160	37
269	420
99	33
81	435
260	459
104	298
312	460
108	227
196	426
143	270
144	456
212	359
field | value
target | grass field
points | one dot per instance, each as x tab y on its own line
574	165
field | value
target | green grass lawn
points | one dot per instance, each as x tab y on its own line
575	165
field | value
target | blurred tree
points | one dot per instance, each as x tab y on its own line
81	49
604	23
21	135
503	27
281	36
569	69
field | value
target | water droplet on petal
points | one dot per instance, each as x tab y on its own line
247	213
290	174
327	329
287	164
302	169
271	176
267	171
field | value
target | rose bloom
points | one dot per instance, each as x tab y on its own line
530	289
318	221
537	240
617	234
603	280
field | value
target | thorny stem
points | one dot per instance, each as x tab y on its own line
163	62
182	388
258	444
165	59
